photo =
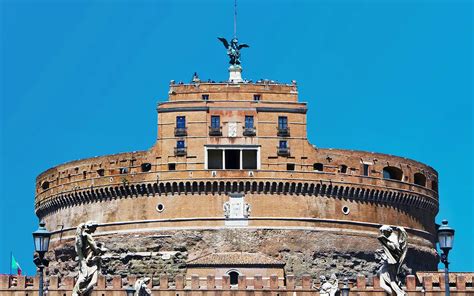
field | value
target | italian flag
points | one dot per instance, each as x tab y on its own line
15	267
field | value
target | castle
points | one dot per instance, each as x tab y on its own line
232	186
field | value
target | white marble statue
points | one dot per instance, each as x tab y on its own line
394	243
328	287
226	209
247	210
89	257
141	287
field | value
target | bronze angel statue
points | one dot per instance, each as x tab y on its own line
233	49
394	242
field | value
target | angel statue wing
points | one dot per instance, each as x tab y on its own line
403	243
243	45
224	41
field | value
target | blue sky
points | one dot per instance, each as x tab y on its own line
82	78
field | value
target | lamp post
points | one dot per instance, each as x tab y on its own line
41	239
345	289
445	239
130	290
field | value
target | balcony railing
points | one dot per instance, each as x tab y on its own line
250	132
180	151
180	131
215	131
283	132
283	151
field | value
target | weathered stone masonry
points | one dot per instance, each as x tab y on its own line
316	209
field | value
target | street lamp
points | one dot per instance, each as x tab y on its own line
445	239
130	291
345	289
41	239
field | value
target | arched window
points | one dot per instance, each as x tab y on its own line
392	173
318	167
234	277
343	169
419	179
146	167
45	185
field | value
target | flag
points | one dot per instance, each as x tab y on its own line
15	266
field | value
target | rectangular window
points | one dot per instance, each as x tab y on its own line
232	159
171	166
282	122
283	144
249	159
214	159
180	144
180	121
205	97
248	121
365	169
290	166
256	97
215	122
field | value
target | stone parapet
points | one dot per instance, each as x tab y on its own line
460	283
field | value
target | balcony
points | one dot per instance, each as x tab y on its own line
283	151
250	132
180	151
283	132
215	131
180	131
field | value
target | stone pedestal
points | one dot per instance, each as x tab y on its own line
235	74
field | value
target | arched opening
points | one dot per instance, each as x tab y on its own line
392	173
146	167
343	169
419	179
318	167
234	277
45	185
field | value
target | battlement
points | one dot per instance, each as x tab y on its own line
264	90
422	283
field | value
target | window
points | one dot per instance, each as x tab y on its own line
290	166
180	122
123	170
214	159
257	97
249	159
146	167
215	122
180	144
232	159
392	173
283	145
234	277
365	169
45	185
282	122
248	121
419	179
171	166
343	169
318	167
101	172
205	97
